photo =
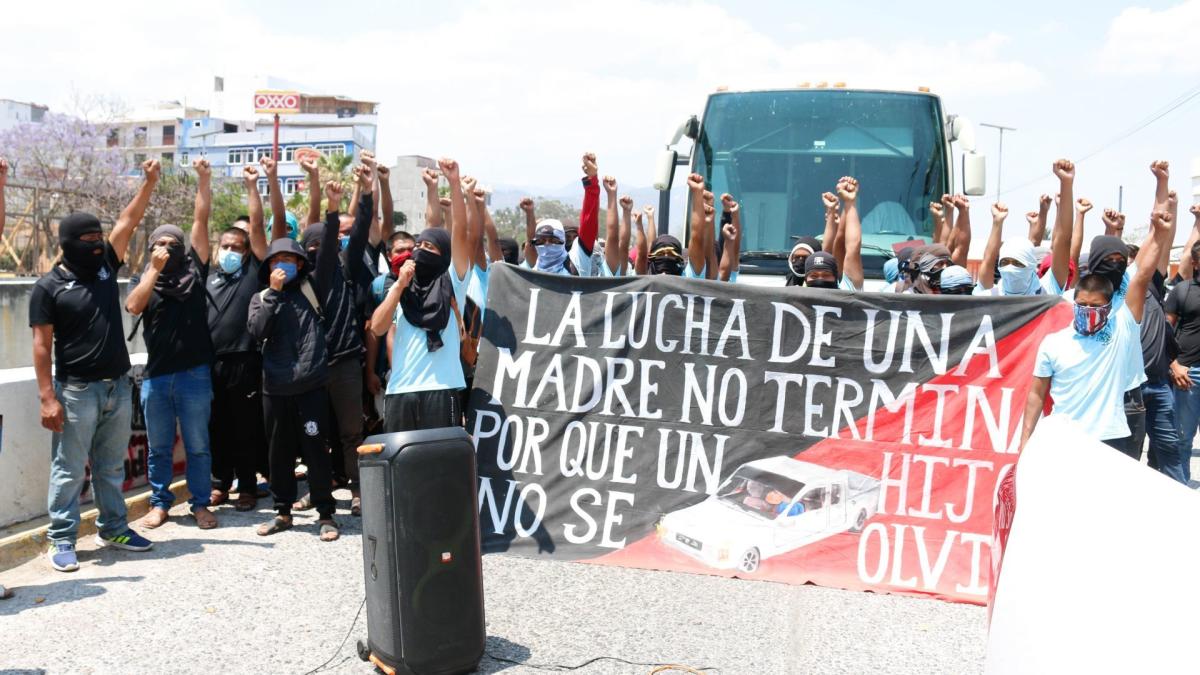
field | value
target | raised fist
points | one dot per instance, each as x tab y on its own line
709	212
695	182
1110	217
449	169
383	172
637	219
626	203
444	202
269	166
829	200
249	175
935	209
847	189
961	202
309	166
1000	211
159	256
1083	205
1064	169
333	192
480	196
1161	169
1195	210
1031	217
648	210
366	178
1161	220
729	232
728	204
1044	202
469	184
430	176
527	205
947	202
589	164
152	169
202	167
610	184
367	158
3	171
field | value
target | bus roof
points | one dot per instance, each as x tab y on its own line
830	88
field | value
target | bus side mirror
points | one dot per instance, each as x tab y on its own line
974	173
664	169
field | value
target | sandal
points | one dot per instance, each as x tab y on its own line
205	520
356	506
217	497
329	530
303	504
155	517
278	524
246	501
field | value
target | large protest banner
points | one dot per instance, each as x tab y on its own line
846	439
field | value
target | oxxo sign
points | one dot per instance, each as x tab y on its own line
278	102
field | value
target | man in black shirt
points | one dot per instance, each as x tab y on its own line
236	427
87	401
177	388
1183	311
1158	399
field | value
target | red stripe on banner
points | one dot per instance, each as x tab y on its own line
933	533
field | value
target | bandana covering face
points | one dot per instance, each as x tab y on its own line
176	278
398	261
1102	248
1093	321
926	259
426	301
821	261
666	256
955	280
551	256
795	276
891	270
83	258
1019	280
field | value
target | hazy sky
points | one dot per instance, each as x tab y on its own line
516	90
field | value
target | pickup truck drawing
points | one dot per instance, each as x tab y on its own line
769	507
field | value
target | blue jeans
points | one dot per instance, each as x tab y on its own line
96	418
1159	400
185	397
1187	416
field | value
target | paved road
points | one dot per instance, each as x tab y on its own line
229	600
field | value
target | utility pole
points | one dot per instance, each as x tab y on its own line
1000	154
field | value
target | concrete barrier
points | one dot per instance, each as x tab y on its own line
25	449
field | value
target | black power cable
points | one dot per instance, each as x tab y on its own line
337	651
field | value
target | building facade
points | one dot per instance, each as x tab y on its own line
408	189
13	113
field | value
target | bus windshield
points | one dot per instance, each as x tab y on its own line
777	151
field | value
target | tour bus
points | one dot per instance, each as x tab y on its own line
777	150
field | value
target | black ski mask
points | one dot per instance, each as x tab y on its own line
666	256
1098	262
426	300
83	258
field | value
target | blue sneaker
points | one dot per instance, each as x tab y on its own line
62	556
128	540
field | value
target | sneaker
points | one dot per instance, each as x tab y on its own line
62	557
128	540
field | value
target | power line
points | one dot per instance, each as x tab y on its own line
1170	107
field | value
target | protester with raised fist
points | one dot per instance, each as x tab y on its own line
286	318
546	248
75	311
177	389
426	370
239	446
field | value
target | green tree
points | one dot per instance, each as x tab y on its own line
510	222
399	219
331	167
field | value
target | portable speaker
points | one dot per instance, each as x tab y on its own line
421	559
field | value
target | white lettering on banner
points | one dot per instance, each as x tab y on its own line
889	563
507	368
690	451
571	531
823	337
939	411
500	515
531	322
888	352
611	342
973	465
735	326
997	425
983	343
666	346
916	329
690	323
573	319
639	341
522	500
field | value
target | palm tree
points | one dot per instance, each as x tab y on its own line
331	167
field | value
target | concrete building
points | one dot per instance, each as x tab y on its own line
13	113
152	132
408	190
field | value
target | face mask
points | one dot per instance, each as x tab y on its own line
430	266
230	261
289	268
1113	271
343	242
665	264
1091	320
312	255
821	283
398	261
85	256
175	259
1016	280
551	256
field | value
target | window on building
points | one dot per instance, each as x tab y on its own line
230	128
196	124
168	158
114	138
262	152
290	186
183	159
289	154
138	158
262	187
235	156
168	134
139	135
332	149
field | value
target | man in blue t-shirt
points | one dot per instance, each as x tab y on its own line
426	371
1087	368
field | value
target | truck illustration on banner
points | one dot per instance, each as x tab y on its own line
769	507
